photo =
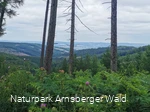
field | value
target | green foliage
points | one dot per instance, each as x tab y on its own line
64	65
3	67
105	59
137	62
146	59
14	84
11	63
80	63
23	83
90	79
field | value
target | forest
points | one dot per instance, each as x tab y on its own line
106	79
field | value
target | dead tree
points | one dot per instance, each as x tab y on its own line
114	35
71	11
2	11
44	34
51	36
72	38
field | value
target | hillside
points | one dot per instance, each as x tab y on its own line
26	49
15	53
60	49
21	62
21	75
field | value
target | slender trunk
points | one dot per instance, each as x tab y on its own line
72	38
114	35
51	36
2	17
44	35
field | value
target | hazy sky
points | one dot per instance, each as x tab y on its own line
133	22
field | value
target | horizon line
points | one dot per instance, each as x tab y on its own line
68	42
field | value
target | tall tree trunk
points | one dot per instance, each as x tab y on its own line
44	34
2	18
114	35
72	38
51	36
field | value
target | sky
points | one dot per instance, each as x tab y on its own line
133	22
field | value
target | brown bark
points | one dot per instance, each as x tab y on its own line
44	35
114	35
51	36
72	38
2	18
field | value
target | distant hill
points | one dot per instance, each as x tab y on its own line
26	49
20	49
61	49
15	53
89	45
80	45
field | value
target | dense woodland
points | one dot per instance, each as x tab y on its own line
21	76
120	71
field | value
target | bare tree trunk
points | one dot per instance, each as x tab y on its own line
72	38
51	36
2	11
2	16
114	35
44	34
1	19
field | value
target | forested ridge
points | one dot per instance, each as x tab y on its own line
33	49
131	79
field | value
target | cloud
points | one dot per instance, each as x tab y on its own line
133	21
